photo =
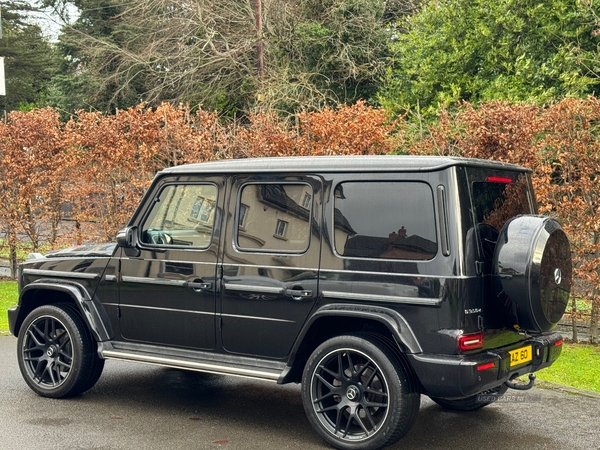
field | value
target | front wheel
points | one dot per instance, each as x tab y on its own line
56	353
357	395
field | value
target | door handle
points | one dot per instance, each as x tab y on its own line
298	294
199	286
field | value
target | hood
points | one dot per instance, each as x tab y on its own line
85	250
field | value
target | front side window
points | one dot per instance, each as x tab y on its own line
242	215
388	220
272	218
181	215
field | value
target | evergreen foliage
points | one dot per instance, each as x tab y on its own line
28	58
477	51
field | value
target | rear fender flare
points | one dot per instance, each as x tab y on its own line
394	321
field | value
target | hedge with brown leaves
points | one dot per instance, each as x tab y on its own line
99	165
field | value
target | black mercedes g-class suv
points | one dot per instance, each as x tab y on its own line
370	280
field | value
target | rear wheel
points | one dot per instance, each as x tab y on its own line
473	402
57	355
357	395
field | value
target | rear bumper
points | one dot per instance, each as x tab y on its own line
460	376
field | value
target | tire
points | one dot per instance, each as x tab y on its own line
473	402
357	395
56	353
533	272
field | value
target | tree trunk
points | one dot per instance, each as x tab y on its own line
594	318
12	252
574	318
259	40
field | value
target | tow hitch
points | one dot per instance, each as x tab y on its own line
520	386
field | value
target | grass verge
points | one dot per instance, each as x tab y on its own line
8	298
578	366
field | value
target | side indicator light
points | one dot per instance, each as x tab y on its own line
486	366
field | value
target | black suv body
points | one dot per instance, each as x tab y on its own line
370	280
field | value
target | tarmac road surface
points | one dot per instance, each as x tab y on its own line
136	406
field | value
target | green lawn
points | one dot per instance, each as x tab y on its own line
578	366
8	298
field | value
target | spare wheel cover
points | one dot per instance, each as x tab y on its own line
532	265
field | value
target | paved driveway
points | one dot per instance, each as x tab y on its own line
135	406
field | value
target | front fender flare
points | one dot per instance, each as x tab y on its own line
90	308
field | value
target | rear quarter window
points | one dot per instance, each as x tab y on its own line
385	220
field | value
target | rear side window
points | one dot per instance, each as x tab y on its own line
388	220
274	217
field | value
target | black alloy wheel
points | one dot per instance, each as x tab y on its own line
57	355
356	393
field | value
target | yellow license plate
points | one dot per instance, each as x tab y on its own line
520	356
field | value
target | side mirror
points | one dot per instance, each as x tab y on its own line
126	237
127	240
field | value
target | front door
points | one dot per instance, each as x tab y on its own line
270	262
167	292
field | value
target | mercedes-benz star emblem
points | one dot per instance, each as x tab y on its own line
557	275
352	393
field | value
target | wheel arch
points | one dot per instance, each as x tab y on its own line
50	292
336	319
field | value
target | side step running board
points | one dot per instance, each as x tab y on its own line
197	361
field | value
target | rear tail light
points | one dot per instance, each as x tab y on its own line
558	343
468	342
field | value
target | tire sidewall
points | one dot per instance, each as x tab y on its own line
73	326
393	376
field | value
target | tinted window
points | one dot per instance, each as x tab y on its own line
390	220
274	217
182	215
498	199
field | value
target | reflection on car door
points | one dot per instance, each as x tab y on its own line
270	263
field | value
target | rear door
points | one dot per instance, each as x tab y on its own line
495	197
270	262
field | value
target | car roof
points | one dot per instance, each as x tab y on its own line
330	164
